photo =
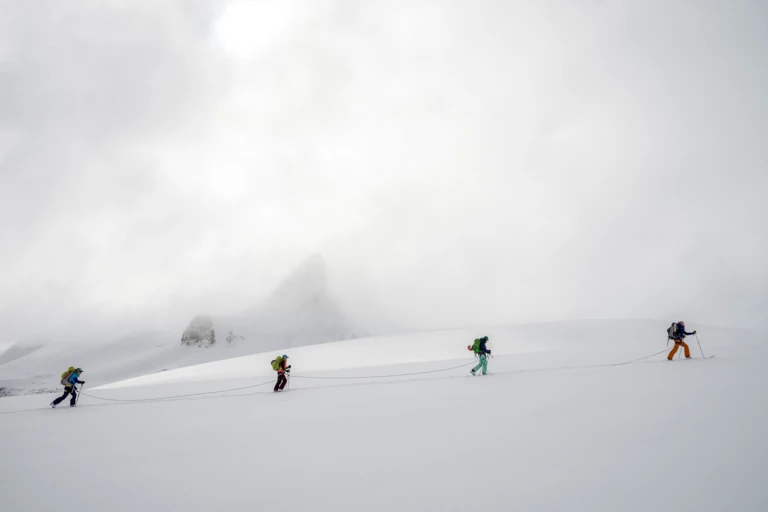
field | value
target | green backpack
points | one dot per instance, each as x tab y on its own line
476	346
276	363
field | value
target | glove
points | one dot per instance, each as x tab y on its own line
488	351
288	367
82	382
694	332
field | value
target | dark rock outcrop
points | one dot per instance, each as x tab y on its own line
200	333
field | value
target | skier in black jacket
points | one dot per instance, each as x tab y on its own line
678	335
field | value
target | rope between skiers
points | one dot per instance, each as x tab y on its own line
280	365
582	367
175	396
636	360
410	374
265	383
387	376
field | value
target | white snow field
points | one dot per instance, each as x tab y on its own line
554	427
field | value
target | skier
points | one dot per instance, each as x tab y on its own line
479	348
69	380
677	333
280	365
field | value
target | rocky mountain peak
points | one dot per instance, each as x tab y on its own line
199	333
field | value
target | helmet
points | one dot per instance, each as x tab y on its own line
285	356
79	370
484	338
681	323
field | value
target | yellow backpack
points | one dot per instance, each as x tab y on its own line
65	376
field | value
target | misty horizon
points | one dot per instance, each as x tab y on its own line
454	165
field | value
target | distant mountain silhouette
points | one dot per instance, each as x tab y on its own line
299	311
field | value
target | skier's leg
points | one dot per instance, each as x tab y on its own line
673	351
284	382
686	349
73	400
479	365
484	362
277	384
62	397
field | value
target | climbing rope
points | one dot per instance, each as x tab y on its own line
581	367
175	396
469	364
19	411
388	376
347	377
636	360
264	383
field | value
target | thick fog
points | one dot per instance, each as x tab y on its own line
455	163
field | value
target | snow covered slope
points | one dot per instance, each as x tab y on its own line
569	341
16	350
138	354
32	371
300	311
556	426
38	370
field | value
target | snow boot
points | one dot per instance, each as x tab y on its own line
53	405
472	372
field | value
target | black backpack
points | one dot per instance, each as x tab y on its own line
672	331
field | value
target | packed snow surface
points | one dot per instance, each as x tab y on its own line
557	425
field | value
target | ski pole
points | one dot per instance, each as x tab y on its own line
78	393
697	341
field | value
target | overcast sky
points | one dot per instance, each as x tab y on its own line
455	162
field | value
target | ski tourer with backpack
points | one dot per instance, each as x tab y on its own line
281	366
482	352
677	333
70	380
